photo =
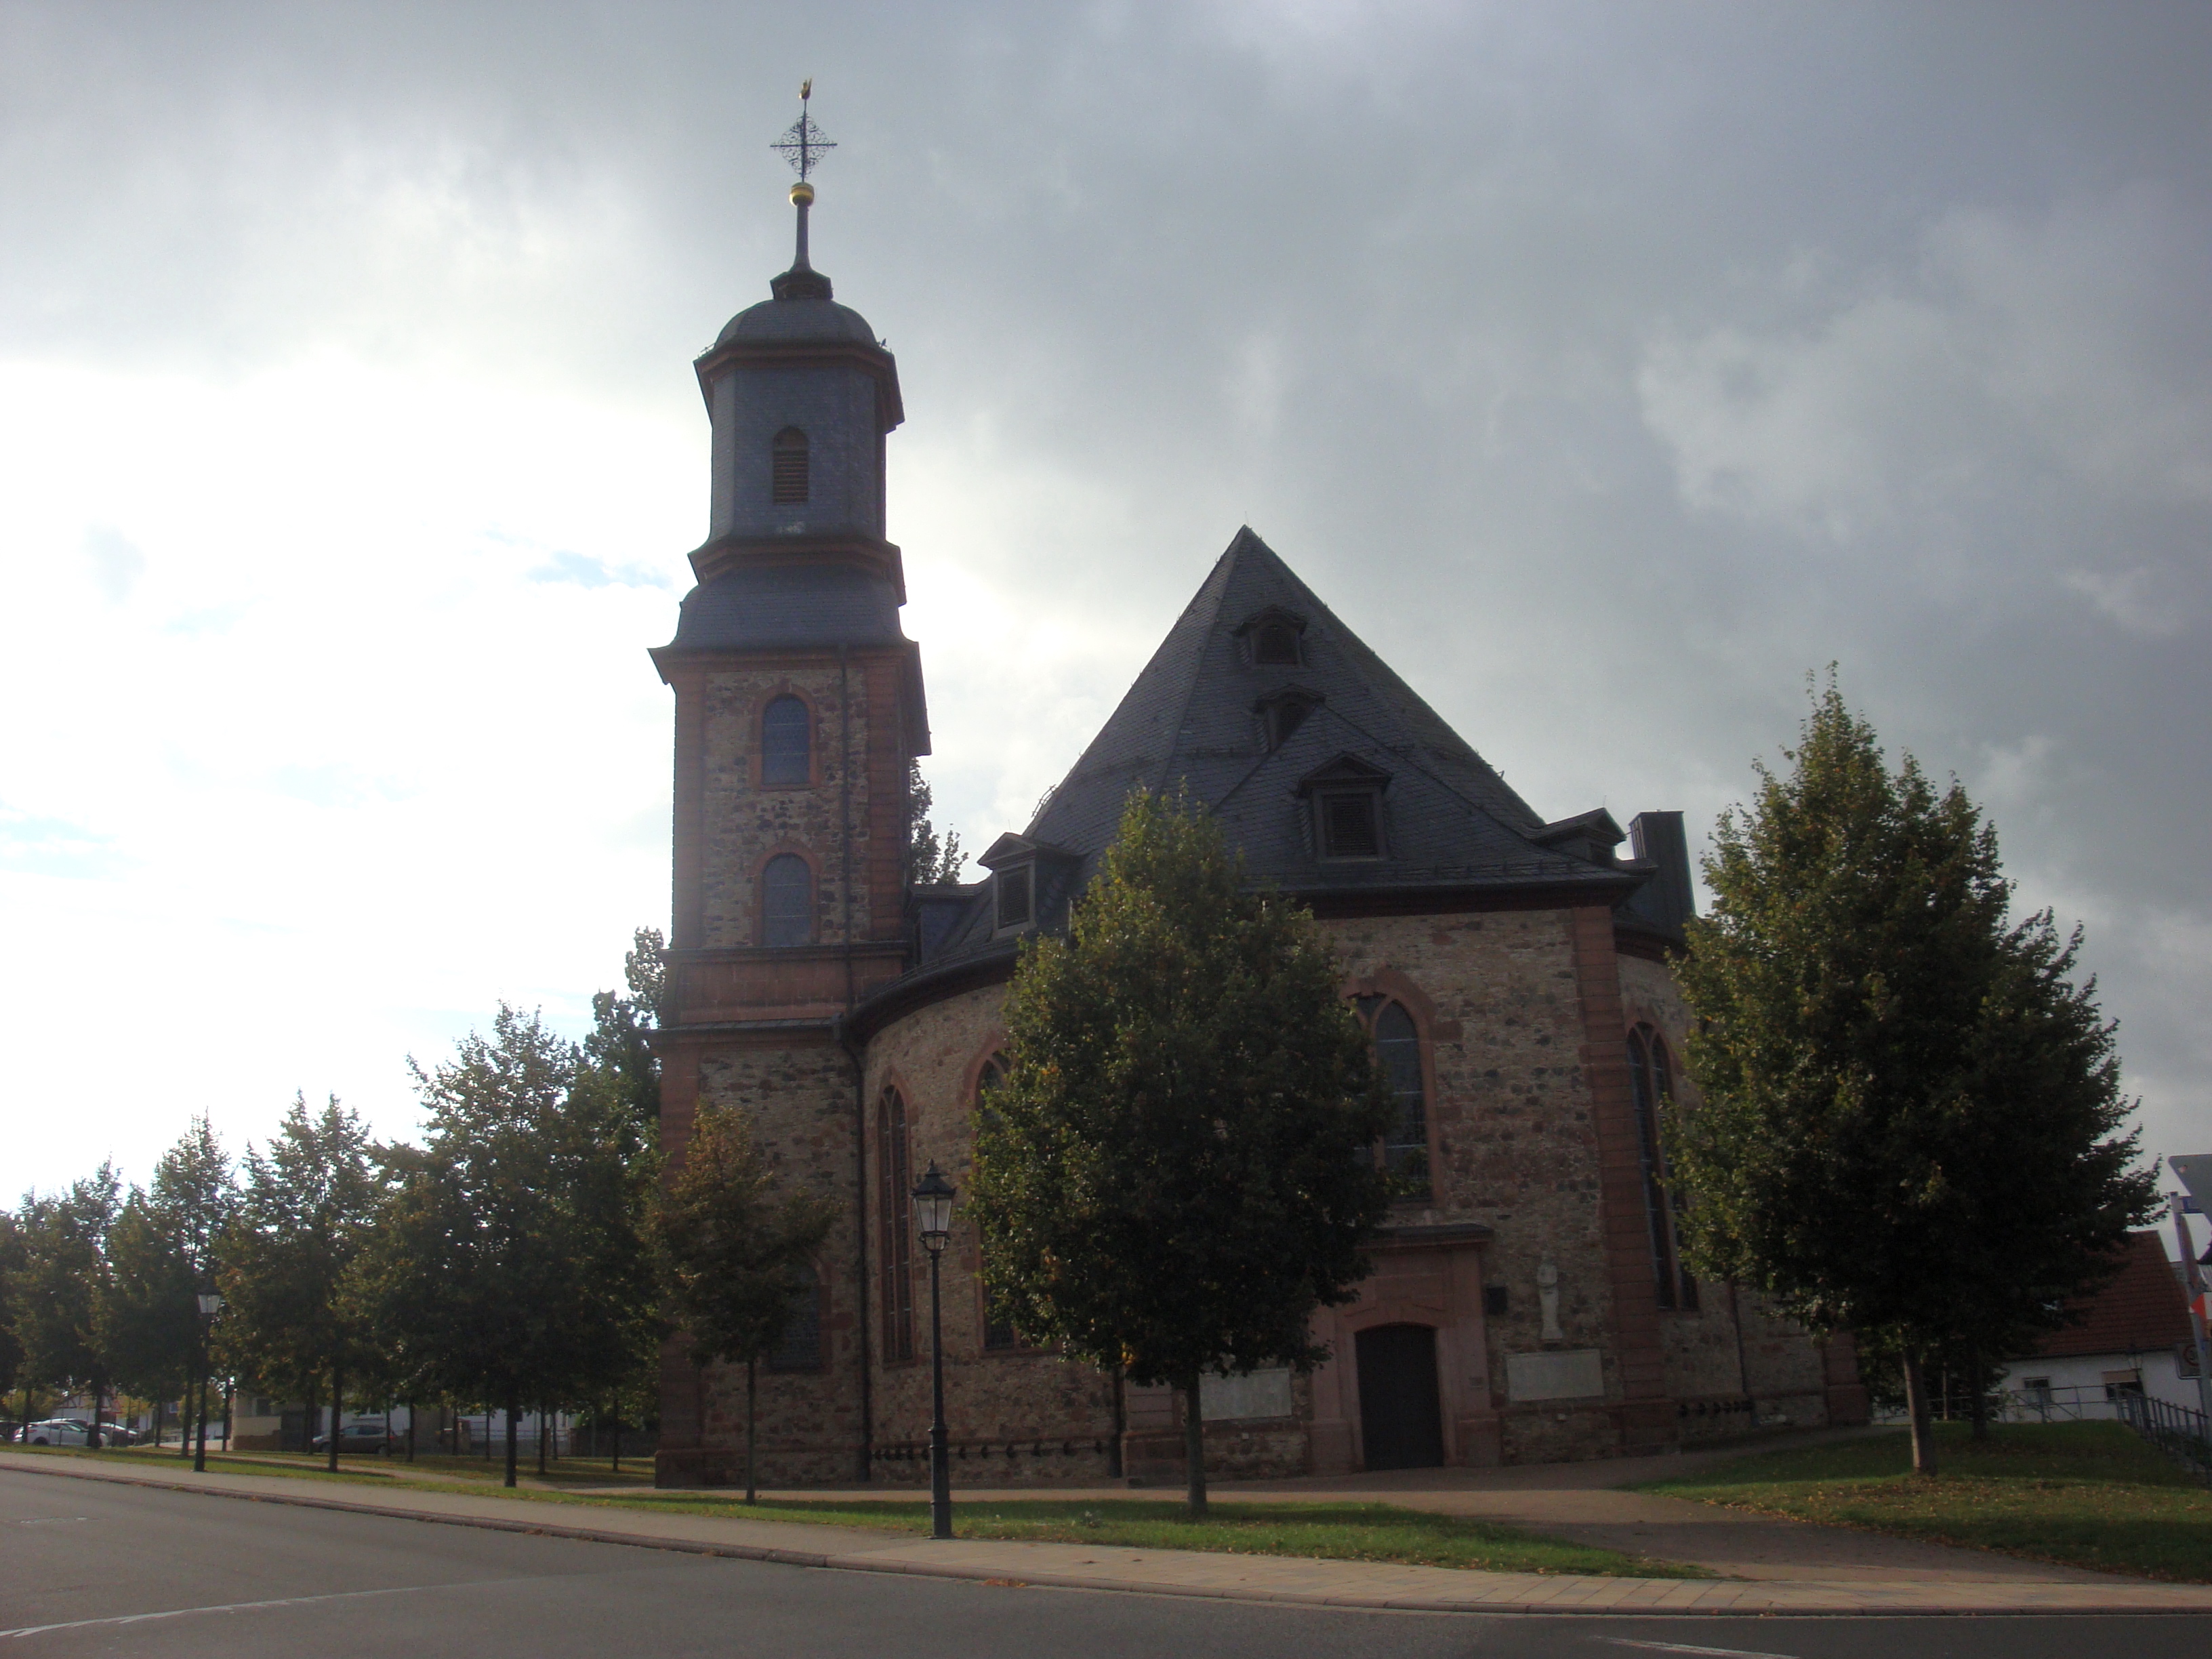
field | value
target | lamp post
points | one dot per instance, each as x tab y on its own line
933	1213
210	1305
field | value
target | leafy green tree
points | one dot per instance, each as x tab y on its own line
293	1313
1174	1174
13	1259
514	1250
162	1252
61	1285
620	1044
738	1252
930	859
1911	1121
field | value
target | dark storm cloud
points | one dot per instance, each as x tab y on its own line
1610	367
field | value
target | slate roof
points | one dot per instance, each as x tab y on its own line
2142	1310
798	320
1189	722
755	607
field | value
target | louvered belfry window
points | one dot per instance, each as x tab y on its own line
790	479
786	902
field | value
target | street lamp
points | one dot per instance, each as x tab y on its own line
932	1216
210	1305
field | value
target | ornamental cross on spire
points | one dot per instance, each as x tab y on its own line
802	142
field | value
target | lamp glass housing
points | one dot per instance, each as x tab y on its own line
933	1208
210	1304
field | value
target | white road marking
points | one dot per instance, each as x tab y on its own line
47	1521
249	1606
1683	1647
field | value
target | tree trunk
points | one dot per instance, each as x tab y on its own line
513	1410
199	1451
1915	1405
158	1405
752	1402
1977	1399
92	1439
185	1422
1193	1447
615	1413
312	1418
229	1386
1120	1427
411	1408
541	1440
337	1405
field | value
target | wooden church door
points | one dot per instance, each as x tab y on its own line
1401	1418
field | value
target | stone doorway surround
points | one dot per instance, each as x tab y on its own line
1424	1275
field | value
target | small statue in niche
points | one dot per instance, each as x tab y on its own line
1547	1298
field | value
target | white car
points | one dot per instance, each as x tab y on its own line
54	1431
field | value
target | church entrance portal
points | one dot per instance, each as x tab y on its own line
1400	1419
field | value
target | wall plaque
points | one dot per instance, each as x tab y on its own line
1578	1374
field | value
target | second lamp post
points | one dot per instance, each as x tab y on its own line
933	1217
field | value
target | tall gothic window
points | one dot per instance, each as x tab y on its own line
895	1179
786	902
787	739
1651	1076
1404	1148
999	1335
788	470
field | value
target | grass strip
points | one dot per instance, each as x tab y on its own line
1316	1531
2088	1495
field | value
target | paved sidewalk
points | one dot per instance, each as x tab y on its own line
1168	1573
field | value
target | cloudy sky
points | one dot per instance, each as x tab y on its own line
1609	367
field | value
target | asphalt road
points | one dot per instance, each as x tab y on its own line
90	1568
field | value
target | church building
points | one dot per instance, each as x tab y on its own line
1527	1301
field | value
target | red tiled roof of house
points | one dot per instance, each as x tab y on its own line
2140	1309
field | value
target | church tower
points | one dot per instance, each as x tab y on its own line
799	711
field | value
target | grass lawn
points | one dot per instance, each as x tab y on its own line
2083	1494
1337	1531
1334	1532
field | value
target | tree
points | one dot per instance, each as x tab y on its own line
293	1312
162	1252
621	1040
13	1259
738	1252
61	1286
1911	1116
514	1250
928	859
1172	1176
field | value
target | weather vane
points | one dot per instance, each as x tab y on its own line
802	142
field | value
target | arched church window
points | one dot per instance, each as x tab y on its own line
1651	1079
787	739
1403	1150
895	1208
786	902
788	479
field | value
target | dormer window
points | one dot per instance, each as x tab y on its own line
1350	826
788	467
1347	808
1015	886
1281	713
1273	638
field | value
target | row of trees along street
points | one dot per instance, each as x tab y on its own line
514	1261
1908	1124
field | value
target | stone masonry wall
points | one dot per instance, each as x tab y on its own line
799	1099
1026	1415
742	825
1512	1140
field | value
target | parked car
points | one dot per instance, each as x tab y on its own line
362	1437
54	1431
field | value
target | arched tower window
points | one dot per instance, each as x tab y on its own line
999	1335
786	902
787	740
788	469
1651	1076
896	1181
1404	1150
